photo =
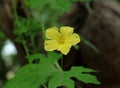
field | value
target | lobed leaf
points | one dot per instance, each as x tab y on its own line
59	79
64	78
83	74
34	75
51	57
27	77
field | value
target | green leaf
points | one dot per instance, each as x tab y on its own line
59	79
34	75
20	39
31	76
21	26
61	5
33	57
51	57
27	77
36	3
64	78
83	74
29	26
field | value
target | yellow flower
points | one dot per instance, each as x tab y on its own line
61	40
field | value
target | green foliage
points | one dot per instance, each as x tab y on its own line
45	58
64	78
81	74
24	25
62	5
43	69
36	4
35	75
59	5
60	79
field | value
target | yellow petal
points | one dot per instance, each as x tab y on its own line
50	45
52	33
73	39
64	48
66	31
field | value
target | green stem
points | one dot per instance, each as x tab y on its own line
33	43
42	29
44	86
58	66
15	13
25	47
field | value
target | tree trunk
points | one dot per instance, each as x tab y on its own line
102	29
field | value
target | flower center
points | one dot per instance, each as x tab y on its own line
61	41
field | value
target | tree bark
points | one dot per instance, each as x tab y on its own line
102	30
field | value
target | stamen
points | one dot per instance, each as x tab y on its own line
61	40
